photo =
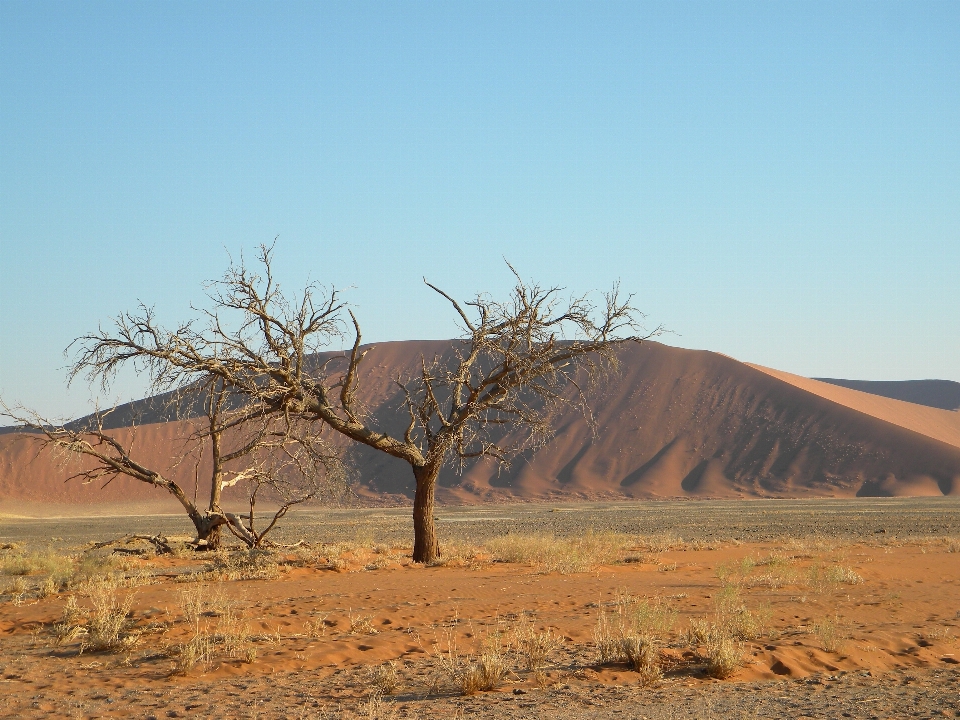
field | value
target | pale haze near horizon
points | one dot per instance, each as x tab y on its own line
778	182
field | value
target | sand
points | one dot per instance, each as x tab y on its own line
672	423
879	639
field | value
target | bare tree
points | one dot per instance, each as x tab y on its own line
269	455
517	362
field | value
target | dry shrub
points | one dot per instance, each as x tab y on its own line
735	618
843	575
721	649
233	634
385	678
534	646
772	580
698	632
48	587
446	661
940	632
196	651
643	656
253	564
70	626
376	708
457	555
830	633
318	627
109	623
606	638
193	602
17	589
46	562
724	655
633	634
821	578
230	636
953	545
362	625
486	672
774	559
564	555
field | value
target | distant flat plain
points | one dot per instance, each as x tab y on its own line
691	520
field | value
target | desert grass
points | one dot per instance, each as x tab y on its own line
229	636
385	679
46	562
487	668
110	625
717	644
633	633
317	627
830	634
361	625
823	578
105	626
243	564
462	555
720	639
549	553
533	646
483	669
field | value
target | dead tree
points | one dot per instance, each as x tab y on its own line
517	362
275	458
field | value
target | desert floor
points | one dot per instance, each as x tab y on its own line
805	608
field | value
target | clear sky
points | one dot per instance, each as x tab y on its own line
776	181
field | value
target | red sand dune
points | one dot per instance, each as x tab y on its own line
670	423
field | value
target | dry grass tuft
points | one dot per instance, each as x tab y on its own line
385	678
830	633
486	672
534	646
643	656
109	625
633	634
196	651
229	636
720	647
317	627
254	564
549	553
362	625
724	654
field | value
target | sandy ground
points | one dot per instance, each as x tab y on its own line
850	622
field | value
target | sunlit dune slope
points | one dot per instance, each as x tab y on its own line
943	425
943	394
670	423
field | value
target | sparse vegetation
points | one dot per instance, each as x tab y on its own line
534	646
564	555
633	634
362	625
385	678
830	633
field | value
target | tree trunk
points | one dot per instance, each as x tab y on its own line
426	548
209	529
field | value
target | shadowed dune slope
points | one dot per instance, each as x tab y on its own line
670	423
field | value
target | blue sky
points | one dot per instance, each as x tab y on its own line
779	182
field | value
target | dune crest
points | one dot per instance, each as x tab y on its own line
670	423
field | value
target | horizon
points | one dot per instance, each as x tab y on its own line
777	183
